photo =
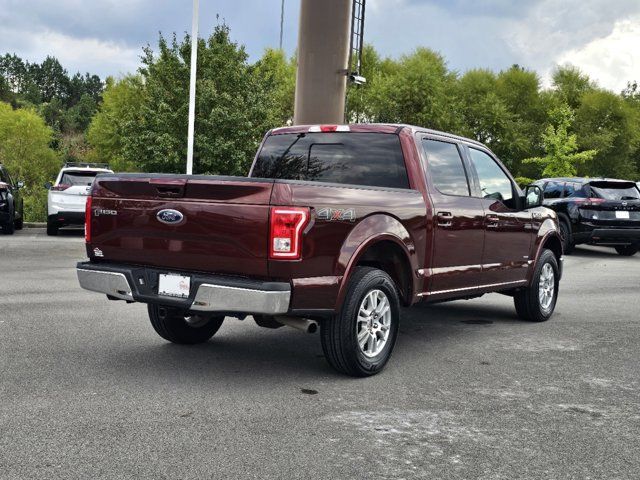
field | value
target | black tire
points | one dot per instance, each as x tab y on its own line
527	300
8	228
52	229
172	325
19	223
339	334
627	250
565	235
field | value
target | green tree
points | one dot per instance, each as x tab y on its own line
608	124
561	148
116	122
24	149
571	84
276	76
231	108
418	89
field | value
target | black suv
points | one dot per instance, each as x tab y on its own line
11	203
598	211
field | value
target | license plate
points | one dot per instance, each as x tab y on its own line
622	214
174	286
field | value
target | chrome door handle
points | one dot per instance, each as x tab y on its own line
492	221
445	219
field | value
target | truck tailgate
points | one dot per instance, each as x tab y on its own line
221	224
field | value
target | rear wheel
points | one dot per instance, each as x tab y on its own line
178	326
8	228
359	340
627	250
537	302
19	223
565	235
52	229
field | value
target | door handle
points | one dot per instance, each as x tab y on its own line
445	219
492	221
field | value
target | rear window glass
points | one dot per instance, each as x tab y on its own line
613	191
78	178
372	159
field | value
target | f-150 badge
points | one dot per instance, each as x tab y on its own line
337	214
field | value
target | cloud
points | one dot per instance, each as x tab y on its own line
614	59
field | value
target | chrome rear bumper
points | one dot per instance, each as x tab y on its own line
208	293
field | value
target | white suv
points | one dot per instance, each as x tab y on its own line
67	197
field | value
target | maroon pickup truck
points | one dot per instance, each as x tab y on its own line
335	227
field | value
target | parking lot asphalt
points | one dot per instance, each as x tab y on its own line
88	390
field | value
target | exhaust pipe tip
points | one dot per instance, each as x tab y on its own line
302	324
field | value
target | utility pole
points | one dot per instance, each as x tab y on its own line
323	61
281	23
192	87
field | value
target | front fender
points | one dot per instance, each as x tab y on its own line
374	229
549	232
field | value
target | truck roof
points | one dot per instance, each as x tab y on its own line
373	128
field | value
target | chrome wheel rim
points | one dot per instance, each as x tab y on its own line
546	287
374	323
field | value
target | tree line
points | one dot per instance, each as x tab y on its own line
139	122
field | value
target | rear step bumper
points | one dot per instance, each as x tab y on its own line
209	293
615	235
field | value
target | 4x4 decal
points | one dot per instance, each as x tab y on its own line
337	214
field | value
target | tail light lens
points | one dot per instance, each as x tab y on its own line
60	188
87	221
285	237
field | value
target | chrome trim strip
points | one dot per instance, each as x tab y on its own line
480	287
109	283
220	298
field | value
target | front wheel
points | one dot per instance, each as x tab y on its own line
359	340
8	228
537	302
178	326
627	250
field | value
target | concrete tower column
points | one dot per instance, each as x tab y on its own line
323	57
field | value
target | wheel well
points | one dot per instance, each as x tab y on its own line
390	258
554	244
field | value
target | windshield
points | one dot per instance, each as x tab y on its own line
613	191
78	178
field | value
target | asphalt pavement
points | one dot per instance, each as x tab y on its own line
88	390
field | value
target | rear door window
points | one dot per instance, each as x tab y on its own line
371	159
553	190
445	166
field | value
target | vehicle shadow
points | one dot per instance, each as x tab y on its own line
71	232
240	352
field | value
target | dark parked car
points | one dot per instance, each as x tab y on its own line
337	226
596	211
11	203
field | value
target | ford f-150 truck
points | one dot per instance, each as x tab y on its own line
336	226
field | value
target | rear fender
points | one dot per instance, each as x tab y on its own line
370	231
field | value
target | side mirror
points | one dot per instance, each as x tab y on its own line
533	196
20	184
48	185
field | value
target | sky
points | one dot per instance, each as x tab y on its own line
602	37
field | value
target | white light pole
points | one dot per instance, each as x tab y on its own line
192	87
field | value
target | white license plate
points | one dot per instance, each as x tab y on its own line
174	286
622	214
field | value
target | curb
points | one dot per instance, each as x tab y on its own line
35	224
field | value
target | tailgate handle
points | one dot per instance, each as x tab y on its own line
172	192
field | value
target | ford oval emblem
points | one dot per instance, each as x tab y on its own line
169	216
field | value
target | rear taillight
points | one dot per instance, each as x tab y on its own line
586	202
87	221
285	237
60	188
